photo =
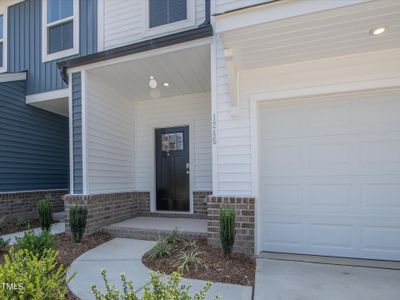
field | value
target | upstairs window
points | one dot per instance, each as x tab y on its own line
1	41
60	28
162	12
169	15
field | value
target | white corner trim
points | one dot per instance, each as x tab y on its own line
84	132
7	77
68	52
71	146
53	95
100	25
214	113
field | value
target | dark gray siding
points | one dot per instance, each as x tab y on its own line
77	132
33	144
25	43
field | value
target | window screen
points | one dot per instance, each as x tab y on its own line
163	12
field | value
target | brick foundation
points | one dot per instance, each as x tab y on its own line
23	204
104	209
200	203
244	206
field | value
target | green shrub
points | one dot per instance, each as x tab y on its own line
157	290
77	221
161	248
188	259
33	277
3	221
227	219
36	243
21	222
174	237
4	243
45	213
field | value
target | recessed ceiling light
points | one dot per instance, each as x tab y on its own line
166	84
378	31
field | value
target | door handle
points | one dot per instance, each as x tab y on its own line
188	168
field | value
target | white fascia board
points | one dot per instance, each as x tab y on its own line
270	12
141	55
7	77
53	95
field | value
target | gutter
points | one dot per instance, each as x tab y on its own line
203	30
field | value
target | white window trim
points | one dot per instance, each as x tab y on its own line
3	68
171	27
68	52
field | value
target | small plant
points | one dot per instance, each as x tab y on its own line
158	289
4	243
21	222
77	221
37	244
45	212
161	248
34	277
174	237
3	221
189	244
227	219
189	259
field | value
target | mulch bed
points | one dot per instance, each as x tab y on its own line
239	269
12	227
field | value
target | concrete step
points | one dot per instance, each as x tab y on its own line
59	216
151	228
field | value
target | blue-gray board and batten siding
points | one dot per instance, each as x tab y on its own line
25	43
77	132
33	144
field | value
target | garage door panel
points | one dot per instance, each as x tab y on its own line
330	176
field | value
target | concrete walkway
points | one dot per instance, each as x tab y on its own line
125	256
56	228
289	280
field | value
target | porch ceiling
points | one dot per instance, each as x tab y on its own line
186	71
335	32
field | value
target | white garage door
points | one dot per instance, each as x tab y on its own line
330	176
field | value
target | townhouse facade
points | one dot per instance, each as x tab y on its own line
287	110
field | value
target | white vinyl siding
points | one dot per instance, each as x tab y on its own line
110	139
193	110
125	22
233	172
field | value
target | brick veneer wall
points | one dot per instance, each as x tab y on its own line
200	203
104	209
23	204
244	206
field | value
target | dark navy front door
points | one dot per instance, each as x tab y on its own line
172	169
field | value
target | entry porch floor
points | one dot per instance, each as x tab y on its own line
151	228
